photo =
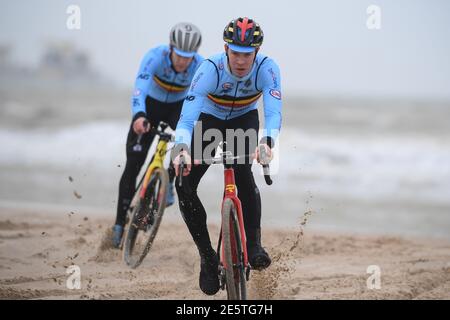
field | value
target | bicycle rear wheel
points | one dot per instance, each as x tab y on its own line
233	258
145	219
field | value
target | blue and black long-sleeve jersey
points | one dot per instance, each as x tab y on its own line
157	78
216	91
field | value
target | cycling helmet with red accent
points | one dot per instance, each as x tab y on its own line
243	35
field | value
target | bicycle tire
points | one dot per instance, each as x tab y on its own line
235	279
157	188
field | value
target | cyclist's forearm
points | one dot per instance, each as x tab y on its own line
142	84
270	82
272	126
138	99
189	115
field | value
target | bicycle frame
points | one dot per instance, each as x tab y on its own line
230	192
147	195
157	162
229	254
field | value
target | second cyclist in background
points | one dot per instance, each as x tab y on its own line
162	82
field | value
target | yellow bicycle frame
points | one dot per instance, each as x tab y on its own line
157	162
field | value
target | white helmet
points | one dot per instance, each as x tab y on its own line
185	39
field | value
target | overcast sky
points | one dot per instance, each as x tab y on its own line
322	47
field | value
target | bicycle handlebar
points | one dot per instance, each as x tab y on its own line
182	166
169	137
155	130
226	156
264	159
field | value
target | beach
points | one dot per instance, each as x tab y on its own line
359	207
38	247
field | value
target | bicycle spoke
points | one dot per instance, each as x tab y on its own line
146	218
232	253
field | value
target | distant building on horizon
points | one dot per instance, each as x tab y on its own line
61	66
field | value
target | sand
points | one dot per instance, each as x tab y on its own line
37	247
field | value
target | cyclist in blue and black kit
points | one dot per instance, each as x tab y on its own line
223	96
161	85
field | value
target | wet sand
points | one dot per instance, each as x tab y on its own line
37	247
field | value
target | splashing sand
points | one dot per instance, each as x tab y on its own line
306	265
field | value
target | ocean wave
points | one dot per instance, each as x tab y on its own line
341	165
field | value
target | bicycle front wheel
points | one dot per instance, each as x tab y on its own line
233	257
145	219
